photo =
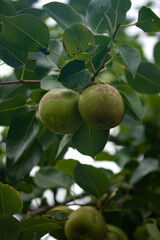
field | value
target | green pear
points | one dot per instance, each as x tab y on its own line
86	223
101	106
58	110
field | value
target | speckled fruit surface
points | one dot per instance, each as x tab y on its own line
58	110
85	223
101	106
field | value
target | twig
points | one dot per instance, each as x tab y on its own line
107	55
19	81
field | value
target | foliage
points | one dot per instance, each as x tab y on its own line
87	45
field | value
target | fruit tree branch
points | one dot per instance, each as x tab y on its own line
106	57
19	81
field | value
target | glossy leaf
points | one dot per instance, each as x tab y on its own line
104	156
49	177
11	108
11	55
37	94
38	226
147	79
91	179
6	8
21	133
10	202
138	204
32	156
145	167
25	32
99	55
131	57
103	15
148	21
74	75
51	82
77	39
153	230
10	228
132	100
64	142
32	70
63	14
130	118
119	5
95	15
56	48
90	141
67	166
117	232
157	53
34	11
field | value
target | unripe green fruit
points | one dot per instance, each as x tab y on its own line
58	110
101	106
86	223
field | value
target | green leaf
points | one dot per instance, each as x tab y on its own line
74	75
10	228
104	156
95	15
56	48
119	5
37	94
91	179
50	82
148	21
131	57
145	167
63	14
67	166
130	119
21	133
32	71
99	55
90	141
153	230
77	39
132	100
38	226
49	177
10	108
6	8
147	79
34	11
138	204
25	32
10	202
16	172
117	232
157	53
64	142
11	55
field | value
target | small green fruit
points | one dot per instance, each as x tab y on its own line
101	106
58	110
86	223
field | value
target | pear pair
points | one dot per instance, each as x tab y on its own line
64	110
